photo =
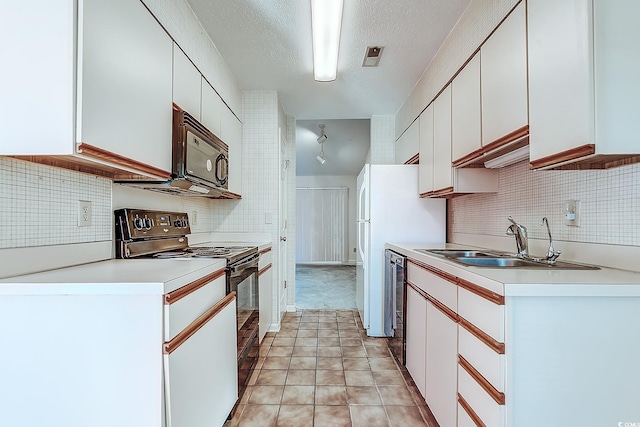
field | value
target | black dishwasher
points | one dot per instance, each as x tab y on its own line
394	283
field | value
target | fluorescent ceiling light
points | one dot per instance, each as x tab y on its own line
510	158
326	21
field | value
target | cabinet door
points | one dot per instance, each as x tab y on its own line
442	174
231	134
408	145
203	369
442	365
425	170
125	81
416	323
212	107
465	110
37	88
187	91
265	281
503	59
561	98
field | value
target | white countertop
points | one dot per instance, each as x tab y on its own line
529	282
114	277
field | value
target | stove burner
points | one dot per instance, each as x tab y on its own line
209	251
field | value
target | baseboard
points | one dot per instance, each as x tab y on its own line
274	327
291	308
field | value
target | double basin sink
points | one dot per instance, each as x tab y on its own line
502	260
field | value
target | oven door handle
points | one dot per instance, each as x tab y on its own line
248	262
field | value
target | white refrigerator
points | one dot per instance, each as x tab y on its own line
389	210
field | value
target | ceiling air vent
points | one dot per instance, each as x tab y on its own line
372	56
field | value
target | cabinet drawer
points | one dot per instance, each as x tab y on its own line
485	407
185	304
482	313
484	359
438	287
464	419
265	258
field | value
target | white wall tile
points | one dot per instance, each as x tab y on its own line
610	200
39	205
382	149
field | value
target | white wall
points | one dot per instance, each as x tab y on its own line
382	149
349	182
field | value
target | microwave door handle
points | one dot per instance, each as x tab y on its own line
222	179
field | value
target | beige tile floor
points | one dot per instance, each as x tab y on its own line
322	370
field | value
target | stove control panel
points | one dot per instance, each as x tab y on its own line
132	224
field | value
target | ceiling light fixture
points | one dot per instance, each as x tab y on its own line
326	21
321	139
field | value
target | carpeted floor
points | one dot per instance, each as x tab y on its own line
325	286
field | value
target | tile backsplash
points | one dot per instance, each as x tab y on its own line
39	205
610	200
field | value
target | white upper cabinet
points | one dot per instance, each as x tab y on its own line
437	177
212	107
231	134
408	145
425	168
584	82
442	176
503	59
101	93
124	82
187	82
466	117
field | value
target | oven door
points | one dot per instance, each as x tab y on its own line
242	278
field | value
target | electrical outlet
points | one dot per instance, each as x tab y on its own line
354	250
268	218
572	213
84	213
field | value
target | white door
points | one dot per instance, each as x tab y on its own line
283	223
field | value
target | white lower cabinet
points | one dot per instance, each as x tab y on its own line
416	322
441	365
199	372
455	349
265	281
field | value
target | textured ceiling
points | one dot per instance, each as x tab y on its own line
267	45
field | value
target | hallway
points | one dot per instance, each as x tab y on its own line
322	370
321	286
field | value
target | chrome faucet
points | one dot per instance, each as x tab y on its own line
552	254
520	234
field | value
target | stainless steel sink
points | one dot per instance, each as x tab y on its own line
502	260
510	262
457	253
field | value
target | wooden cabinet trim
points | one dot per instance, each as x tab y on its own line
564	156
228	195
422	293
472	414
415	160
446	276
197	324
185	290
264	251
442	192
481	292
482	381
443	308
511	141
490	342
116	159
264	270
